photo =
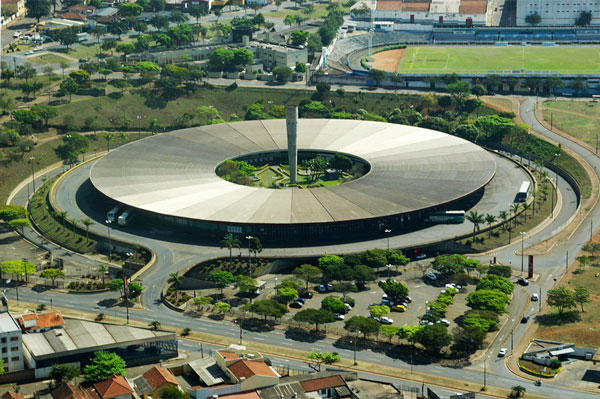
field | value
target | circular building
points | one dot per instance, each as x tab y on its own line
411	171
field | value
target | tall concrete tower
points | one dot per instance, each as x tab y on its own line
291	122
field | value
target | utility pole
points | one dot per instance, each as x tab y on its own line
484	375
567	262
25	270
540	300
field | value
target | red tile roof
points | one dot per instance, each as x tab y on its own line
157	376
12	395
248	368
68	391
43	320
322	383
116	385
241	395
75	16
227	355
404	5
472	7
82	7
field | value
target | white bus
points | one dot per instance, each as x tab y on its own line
523	192
126	217
111	216
446	217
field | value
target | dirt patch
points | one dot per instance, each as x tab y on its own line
388	60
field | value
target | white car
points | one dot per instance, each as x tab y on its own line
421	256
444	322
535	298
385	320
339	316
502	352
348	307
431	276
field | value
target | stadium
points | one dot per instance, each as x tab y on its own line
171	178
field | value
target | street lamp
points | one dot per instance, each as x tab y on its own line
32	160
242	318
388	231
354	349
522	233
307	73
25	269
249	256
389	266
108	222
555	188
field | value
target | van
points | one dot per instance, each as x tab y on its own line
126	217
111	216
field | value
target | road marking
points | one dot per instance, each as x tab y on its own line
259	338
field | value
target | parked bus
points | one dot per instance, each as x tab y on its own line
523	192
126	217
446	217
111	216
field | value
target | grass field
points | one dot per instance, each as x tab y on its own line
438	59
580	119
49	58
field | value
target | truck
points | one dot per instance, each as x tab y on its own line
111	216
82	37
126	217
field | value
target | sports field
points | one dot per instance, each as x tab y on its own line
484	59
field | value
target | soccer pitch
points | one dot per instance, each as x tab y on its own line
485	59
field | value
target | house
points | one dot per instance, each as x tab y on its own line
14	7
325	386
149	384
34	322
11	345
252	374
116	387
82	9
72	16
105	15
12	395
68	391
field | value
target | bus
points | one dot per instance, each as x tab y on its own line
446	217
111	216
126	217
523	192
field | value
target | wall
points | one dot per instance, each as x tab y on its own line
258	381
554	12
205	393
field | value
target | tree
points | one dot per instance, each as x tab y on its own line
175	279
242	56
173	392
26	72
178	17
119	27
307	272
298	37
127	10
10	212
517	391
46	112
60	373
221	279
71	146
494	282
202	300
286	294
230	241
490	219
500	270
450	265
363	274
488	300
375	258
37	9
155	324
379	310
581	295
68	36
476	218
561	298
377	75
533	19
17	267
197	12
52	274
266	308
104	364
246	284
458	90
361	324
395	290
116	285
333	304
584	19
125	48
19	224
283	73
479	90
108	138
222	307
160	22
433	337
324	357
69	86
289	19
314	316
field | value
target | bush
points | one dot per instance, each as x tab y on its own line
500	270
349	300
555	363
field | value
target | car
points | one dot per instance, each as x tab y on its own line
296	305
374	318
339	316
421	256
329	287
385	320
431	276
535	298
444	322
306	295
399	308
83	60
502	352
538	383
348	307
321	288
425	322
523	281
380	282
301	300
360	285
525	319
386	302
17	34
407	299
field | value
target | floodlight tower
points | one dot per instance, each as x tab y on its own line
291	122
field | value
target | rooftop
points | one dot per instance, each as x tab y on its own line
228	355
208	371
116	385
35	321
8	323
158	376
322	383
249	368
473	7
12	395
68	391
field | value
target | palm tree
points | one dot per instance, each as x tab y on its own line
175	278
490	219
154	324
504	216
518	391
123	137
515	208
63	215
526	207
87	222
230	241
103	269
108	137
475	218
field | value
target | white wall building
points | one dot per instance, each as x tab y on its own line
11	345
557	12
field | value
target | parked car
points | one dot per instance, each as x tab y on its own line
444	322
407	299
385	320
339	316
535	298
398	308
321	288
525	319
431	276
306	295
360	285
348	307
380	282
386	302
301	300
523	281
329	287
425	322
502	352
421	256
296	305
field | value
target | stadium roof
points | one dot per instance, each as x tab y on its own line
411	169
80	336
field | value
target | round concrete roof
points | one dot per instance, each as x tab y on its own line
173	174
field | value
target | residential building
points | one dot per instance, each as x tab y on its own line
557	12
11	345
116	387
12	395
105	15
14	7
34	322
149	384
68	391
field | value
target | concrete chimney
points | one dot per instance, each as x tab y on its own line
291	122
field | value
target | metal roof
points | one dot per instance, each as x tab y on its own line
8	323
411	169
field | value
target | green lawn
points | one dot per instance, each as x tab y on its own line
320	12
49	58
441	59
580	119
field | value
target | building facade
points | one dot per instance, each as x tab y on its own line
557	12
11	344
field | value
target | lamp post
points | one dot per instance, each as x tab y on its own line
108	222
555	188
522	233
354	348
25	269
389	266
388	232
32	160
242	318
249	256
307	73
